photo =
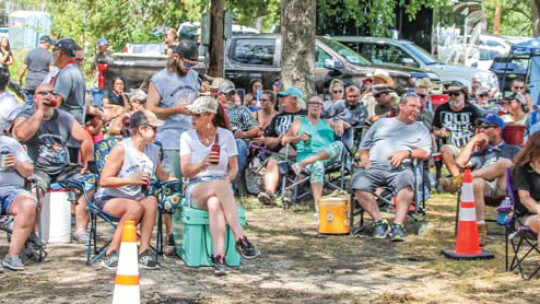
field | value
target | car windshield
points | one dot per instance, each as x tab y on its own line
421	54
347	53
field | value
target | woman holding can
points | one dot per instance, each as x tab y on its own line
209	159
124	185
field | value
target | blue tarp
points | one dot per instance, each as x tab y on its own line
526	47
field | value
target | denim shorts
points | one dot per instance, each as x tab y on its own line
7	197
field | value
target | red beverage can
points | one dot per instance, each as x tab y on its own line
215	149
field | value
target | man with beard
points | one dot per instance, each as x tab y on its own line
454	122
169	92
385	156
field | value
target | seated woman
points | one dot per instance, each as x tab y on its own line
315	144
518	108
124	185
208	158
251	97
16	201
119	126
267	112
116	97
526	182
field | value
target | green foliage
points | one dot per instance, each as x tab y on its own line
516	16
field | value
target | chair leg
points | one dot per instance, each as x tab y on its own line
159	235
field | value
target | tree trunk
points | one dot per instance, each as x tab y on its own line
298	19
535	7
217	42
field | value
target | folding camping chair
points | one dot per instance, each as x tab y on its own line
518	235
385	200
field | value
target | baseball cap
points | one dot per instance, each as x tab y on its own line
494	120
291	91
67	45
144	118
46	39
102	41
516	96
204	104
188	49
226	86
138	95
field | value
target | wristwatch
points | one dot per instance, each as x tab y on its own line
410	153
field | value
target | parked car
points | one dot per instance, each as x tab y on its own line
404	52
248	57
514	67
4	32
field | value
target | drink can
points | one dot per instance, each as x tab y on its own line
448	133
3	155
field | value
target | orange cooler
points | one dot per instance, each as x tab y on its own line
334	215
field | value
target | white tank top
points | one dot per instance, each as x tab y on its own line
135	162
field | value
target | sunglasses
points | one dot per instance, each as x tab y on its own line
454	94
46	92
315	104
231	93
519	88
337	91
79	59
188	64
380	94
483	95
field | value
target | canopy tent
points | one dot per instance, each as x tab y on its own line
530	49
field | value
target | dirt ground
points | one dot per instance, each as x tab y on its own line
296	266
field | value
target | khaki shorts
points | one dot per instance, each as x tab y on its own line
492	189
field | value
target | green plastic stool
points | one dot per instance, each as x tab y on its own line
193	241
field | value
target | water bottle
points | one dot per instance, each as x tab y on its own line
3	155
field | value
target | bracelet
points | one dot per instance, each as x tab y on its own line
180	108
410	153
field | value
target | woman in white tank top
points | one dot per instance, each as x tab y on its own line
210	174
124	185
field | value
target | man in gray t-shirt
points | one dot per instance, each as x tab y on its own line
14	200
385	155
36	65
46	130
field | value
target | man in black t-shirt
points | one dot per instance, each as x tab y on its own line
455	122
292	101
488	156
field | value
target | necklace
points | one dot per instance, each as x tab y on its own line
208	139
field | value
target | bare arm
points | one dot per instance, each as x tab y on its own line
465	155
291	135
161	174
24	128
233	168
112	166
190	170
24	169
115	127
152	104
528	201
22	71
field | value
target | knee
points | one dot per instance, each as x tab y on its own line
27	208
136	210
150	203
504	163
446	150
406	193
214	204
478	184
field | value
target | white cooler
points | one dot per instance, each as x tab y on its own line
56	217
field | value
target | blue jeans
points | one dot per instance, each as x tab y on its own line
242	148
29	98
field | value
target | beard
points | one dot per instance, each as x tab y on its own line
179	70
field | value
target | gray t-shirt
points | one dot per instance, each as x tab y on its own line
9	110
354	115
389	135
175	90
38	61
48	147
11	178
69	83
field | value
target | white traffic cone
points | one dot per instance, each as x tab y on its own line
126	288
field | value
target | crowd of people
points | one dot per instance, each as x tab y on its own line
209	134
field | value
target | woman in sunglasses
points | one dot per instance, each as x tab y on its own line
125	182
267	112
337	92
517	108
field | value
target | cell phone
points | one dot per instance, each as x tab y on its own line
92	167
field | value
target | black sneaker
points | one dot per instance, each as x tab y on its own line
146	261
381	230
219	266
266	198
110	261
246	249
397	233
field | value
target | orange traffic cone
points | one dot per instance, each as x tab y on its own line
126	288
467	244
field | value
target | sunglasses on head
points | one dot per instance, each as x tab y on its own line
188	64
45	92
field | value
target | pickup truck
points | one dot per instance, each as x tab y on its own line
249	57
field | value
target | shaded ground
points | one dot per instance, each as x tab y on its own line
297	266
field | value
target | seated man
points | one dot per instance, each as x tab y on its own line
488	156
383	103
243	124
14	200
45	130
292	106
315	143
385	154
350	111
454	122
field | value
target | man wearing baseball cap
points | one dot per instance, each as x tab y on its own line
488	156
518	109
292	106
169	92
38	62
